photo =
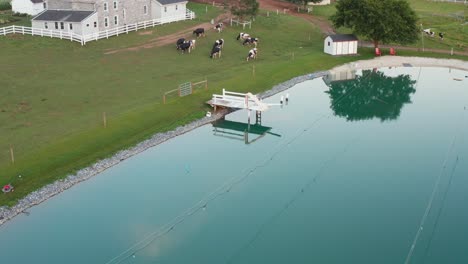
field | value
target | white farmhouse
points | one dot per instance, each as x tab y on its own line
90	16
341	44
30	7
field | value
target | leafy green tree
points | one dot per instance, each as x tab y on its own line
382	21
244	8
372	95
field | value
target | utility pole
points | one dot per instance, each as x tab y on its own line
422	37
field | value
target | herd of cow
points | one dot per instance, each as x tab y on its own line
188	45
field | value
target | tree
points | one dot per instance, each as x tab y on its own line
372	95
382	21
244	8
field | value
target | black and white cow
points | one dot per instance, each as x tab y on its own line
199	32
243	36
219	27
215	52
193	43
186	46
219	43
441	36
251	41
179	42
252	54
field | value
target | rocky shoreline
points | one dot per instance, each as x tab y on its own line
48	191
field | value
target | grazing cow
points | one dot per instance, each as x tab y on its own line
251	41
199	32
219	27
215	52
193	43
219	43
252	54
441	36
429	32
243	36
179	42
186	46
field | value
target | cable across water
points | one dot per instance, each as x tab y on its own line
221	190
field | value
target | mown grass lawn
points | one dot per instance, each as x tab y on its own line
447	17
53	92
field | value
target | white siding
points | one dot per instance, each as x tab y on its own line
26	7
81	28
87	25
158	10
329	46
339	48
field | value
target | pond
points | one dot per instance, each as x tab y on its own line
358	167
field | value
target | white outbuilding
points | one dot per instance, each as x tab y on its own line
30	7
341	44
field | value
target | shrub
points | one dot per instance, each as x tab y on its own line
5	6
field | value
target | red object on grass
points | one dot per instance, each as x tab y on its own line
392	51
377	52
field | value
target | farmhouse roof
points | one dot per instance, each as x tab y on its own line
343	37
63	15
167	2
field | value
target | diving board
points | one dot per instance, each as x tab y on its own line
238	101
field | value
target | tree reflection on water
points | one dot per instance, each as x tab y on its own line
371	95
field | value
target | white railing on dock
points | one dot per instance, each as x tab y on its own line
83	39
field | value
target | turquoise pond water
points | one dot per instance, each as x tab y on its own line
355	171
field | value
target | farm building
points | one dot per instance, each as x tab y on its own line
90	16
30	7
323	2
341	44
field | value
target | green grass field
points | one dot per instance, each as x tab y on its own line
53	92
446	17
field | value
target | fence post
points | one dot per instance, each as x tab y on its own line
104	119
277	12
250	24
12	154
126	28
268	13
22	29
451	52
32	31
42	32
107	33
60	34
4	31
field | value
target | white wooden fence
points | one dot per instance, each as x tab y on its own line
83	39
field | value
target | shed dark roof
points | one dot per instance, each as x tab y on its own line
63	15
343	37
37	1
167	2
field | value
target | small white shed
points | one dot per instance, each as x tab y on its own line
30	7
169	8
341	44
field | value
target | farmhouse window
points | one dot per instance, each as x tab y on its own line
45	25
62	26
71	26
176	7
116	6
56	25
116	20
106	22
44	5
105	6
95	24
124	13
328	43
165	9
145	10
